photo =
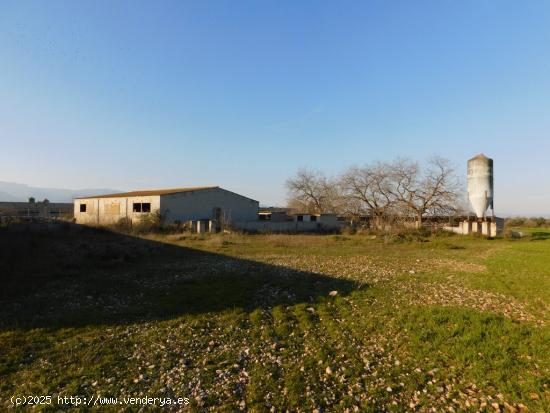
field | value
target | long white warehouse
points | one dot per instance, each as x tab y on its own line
174	205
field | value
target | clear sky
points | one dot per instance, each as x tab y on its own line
132	95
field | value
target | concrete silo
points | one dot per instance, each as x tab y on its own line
480	185
480	193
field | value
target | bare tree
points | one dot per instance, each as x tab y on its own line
432	191
311	191
394	191
368	190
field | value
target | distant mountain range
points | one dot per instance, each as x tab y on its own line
14	192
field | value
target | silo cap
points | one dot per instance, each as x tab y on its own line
480	156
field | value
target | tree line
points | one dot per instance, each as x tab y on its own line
383	191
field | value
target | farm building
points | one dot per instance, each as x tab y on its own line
328	220
174	205
281	221
35	210
274	214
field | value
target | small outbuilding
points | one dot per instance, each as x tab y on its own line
172	205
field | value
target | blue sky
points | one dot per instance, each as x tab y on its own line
243	93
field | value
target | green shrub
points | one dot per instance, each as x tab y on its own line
124	224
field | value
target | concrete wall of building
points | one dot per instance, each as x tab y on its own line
105	211
279	217
328	219
303	218
197	205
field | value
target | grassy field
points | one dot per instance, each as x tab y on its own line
276	322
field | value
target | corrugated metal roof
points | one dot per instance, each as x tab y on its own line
149	192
